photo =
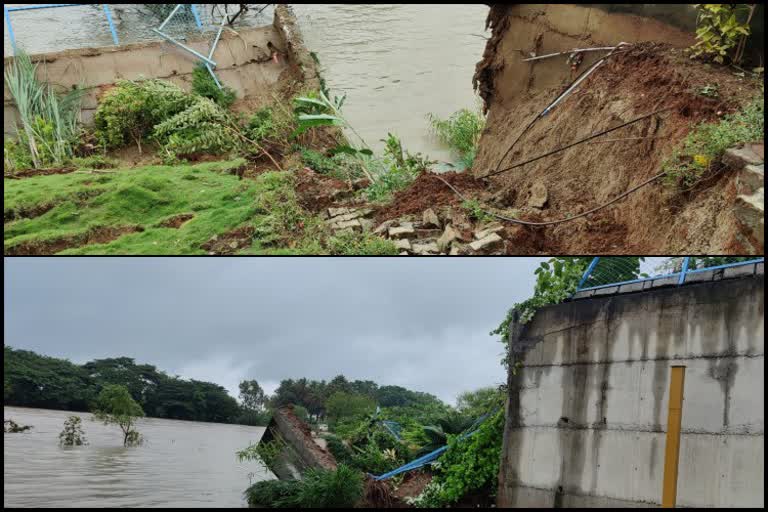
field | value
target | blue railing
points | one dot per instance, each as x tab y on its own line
12	35
604	272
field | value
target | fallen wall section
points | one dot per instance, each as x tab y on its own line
587	412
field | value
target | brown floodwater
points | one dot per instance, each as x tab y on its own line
180	464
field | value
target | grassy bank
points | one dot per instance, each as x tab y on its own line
181	209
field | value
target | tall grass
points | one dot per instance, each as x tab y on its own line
49	121
461	132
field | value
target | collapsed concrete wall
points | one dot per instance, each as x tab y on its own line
300	451
244	58
587	411
653	89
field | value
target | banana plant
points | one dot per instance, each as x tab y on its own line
319	112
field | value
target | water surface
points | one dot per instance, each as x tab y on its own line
396	62
181	464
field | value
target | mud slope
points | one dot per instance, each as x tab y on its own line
657	219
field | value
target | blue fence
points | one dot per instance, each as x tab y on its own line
612	271
40	28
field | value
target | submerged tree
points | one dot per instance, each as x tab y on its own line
115	406
73	434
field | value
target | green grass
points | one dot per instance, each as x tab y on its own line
707	143
147	197
461	132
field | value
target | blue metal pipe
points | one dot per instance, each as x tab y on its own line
42	6
686	262
728	265
588	272
108	12
193	8
11	35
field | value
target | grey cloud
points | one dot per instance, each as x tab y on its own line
419	323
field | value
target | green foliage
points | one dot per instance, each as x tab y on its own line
720	31
461	132
274	494
262	125
49	121
319	488
394	171
556	280
475	211
342	488
115	406
343	405
705	145
202	128
340	451
129	111
476	403
353	244
204	85
73	434
252	396
45	382
471	463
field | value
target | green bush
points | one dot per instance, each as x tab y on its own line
340	451
319	488
204	85
342	488
202	128
274	494
461	132
129	112
261	125
395	171
707	143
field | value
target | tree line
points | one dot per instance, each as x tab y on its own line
34	380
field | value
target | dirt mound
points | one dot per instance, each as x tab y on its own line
656	219
101	235
177	221
230	242
317	192
429	192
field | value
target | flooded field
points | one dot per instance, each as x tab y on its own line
181	464
396	62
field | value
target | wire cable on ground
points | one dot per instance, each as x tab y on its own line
569	146
562	221
561	97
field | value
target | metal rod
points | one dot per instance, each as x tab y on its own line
672	448
42	6
195	14
11	36
570	52
185	47
686	263
589	270
173	13
728	265
108	12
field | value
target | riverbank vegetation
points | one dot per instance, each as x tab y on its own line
219	181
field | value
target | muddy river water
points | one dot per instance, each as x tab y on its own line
181	464
396	62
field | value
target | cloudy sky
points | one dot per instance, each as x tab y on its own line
418	323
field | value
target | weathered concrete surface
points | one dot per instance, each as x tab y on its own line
245	64
301	451
586	415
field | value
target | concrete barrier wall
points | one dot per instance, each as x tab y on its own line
523	29
587	413
244	60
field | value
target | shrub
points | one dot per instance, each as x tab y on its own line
49	121
706	144
204	85
261	125
202	128
719	31
342	488
396	170
73	434
116	406
461	132
129	112
319	488
274	494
